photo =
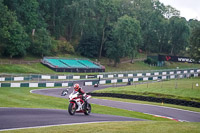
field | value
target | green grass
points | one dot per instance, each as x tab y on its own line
39	68
25	68
142	66
120	127
34	68
21	97
185	89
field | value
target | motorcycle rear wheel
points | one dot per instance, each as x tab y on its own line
88	109
72	108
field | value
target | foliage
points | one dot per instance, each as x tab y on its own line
157	28
112	50
151	61
89	46
62	47
41	43
193	24
27	13
126	38
195	44
14	40
179	34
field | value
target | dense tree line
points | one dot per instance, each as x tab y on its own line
93	28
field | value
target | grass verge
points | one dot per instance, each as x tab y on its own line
120	127
185	89
36	68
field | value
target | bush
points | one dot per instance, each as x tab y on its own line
41	43
150	61
89	46
65	47
62	47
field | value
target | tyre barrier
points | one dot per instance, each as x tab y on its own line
149	99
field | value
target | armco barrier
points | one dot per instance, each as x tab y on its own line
135	79
36	84
150	99
129	74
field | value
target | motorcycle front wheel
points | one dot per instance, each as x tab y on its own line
72	108
88	109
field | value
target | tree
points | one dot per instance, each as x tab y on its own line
80	18
56	14
125	39
112	49
14	40
132	31
195	44
106	14
41	43
89	45
194	24
27	13
62	47
110	25
170	12
144	11
179	34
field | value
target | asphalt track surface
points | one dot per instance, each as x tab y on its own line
177	114
19	118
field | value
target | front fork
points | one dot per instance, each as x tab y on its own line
74	104
78	103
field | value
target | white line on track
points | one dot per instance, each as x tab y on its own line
31	91
56	125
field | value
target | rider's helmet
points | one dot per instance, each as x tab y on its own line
76	87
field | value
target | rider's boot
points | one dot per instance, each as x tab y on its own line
85	102
85	105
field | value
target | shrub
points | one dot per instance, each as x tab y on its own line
150	61
62	47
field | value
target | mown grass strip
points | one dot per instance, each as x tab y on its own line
119	127
40	68
185	89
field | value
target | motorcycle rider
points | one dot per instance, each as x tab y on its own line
81	95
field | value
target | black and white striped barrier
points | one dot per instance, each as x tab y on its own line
142	78
36	84
101	76
104	81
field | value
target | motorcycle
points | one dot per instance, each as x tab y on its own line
77	105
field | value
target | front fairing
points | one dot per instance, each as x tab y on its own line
73	95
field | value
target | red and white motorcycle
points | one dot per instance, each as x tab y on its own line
77	105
